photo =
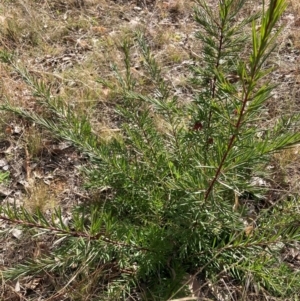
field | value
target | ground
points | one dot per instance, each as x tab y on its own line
71	45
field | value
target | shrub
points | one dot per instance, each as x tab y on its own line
176	176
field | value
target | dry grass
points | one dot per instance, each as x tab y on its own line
70	44
39	197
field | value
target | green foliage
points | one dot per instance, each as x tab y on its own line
3	176
170	211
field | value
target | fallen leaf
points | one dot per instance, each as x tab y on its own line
17	233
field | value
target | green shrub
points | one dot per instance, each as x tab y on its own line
171	206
